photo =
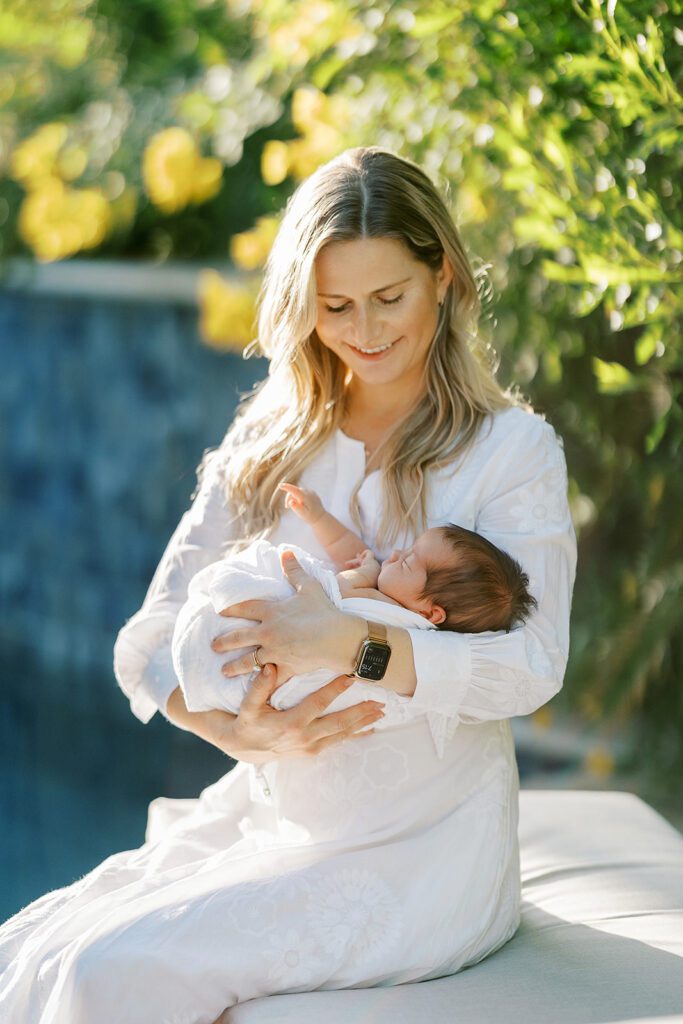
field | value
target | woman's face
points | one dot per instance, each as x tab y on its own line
378	308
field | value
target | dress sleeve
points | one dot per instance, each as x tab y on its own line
142	652
523	509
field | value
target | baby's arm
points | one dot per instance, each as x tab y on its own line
361	580
342	545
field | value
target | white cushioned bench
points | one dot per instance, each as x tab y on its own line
601	936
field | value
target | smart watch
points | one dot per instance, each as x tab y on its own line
374	653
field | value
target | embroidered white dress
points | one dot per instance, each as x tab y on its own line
386	859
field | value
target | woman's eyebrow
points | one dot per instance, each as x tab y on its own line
335	295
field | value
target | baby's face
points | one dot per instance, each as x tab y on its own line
404	574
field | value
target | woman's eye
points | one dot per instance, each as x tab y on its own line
341	309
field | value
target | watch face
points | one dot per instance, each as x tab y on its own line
374	660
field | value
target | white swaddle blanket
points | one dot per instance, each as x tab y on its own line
256	573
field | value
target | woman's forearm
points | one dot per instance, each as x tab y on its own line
208	725
400	674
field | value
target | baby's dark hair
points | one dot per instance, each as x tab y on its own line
484	588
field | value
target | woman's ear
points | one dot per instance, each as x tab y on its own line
444	276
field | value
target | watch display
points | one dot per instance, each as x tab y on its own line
373	656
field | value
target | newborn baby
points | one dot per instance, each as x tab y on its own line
451	578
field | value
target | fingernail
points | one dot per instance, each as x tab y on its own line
267	671
349	680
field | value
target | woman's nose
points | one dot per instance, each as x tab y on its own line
365	327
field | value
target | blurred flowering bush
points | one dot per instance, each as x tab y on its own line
177	129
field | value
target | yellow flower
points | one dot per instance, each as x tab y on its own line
35	158
71	162
250	249
208	179
56	221
174	172
274	162
599	762
322	120
226	311
308	105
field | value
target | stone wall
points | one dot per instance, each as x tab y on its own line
107	405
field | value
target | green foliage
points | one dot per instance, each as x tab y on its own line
554	129
551	126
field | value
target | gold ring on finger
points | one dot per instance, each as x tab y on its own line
257	663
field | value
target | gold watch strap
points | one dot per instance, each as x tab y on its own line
377	631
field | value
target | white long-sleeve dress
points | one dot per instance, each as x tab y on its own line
385	859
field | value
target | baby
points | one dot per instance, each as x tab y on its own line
453	577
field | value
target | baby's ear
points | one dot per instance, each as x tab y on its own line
436	615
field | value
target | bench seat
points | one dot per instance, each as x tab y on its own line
600	940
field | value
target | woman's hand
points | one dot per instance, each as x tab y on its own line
260	733
298	634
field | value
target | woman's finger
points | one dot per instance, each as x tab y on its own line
295	574
242	665
339	737
310	712
254	609
345	723
246	636
262	686
316	703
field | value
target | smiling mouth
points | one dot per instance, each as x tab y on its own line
374	351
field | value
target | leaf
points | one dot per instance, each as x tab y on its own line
540	231
428	24
613	378
646	346
656	433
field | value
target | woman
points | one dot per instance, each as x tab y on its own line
319	862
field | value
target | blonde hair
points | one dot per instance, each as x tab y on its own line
365	192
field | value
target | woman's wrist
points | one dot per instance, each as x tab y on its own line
348	637
400	674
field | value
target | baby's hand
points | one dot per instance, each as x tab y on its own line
306	504
362	559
